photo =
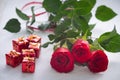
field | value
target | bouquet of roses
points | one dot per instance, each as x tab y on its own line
63	59
72	35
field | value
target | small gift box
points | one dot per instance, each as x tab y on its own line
20	44
13	58
28	64
36	47
34	38
28	53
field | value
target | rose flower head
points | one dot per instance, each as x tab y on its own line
81	51
62	60
98	61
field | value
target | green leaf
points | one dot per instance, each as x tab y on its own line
52	6
91	2
62	43
104	13
67	7
72	34
84	24
90	41
13	25
33	16
62	27
80	23
51	17
112	45
69	45
91	26
51	37
110	41
59	38
67	4
111	34
46	44
95	45
22	15
57	17
83	7
87	17
89	32
76	24
84	37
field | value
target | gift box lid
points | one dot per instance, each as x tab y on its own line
34	38
34	45
21	40
14	53
28	59
28	51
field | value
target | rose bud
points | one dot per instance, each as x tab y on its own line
81	51
62	60
98	61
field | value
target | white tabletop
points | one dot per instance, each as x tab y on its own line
43	69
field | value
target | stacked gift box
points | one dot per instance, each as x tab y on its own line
24	51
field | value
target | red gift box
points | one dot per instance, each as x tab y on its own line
36	47
20	44
13	58
28	53
34	38
28	64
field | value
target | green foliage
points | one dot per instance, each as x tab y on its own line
63	26
72	18
95	45
21	14
62	43
91	2
87	16
69	45
52	6
104	13
72	34
46	44
110	41
51	36
13	25
33	16
83	7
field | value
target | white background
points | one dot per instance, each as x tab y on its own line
43	69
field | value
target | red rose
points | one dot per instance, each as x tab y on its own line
81	51
62	60
98	61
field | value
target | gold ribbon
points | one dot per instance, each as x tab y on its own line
14	53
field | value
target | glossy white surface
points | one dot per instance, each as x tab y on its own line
43	69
